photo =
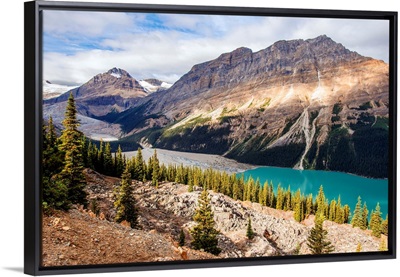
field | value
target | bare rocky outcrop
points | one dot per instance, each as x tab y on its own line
81	237
171	207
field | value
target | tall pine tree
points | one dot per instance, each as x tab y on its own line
125	202
384	226
365	212
204	233
71	144
55	192
155	173
249	233
376	222
317	241
139	166
357	220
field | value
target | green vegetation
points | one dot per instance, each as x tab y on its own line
249	233
317	241
383	245
201	139
357	220
254	151
94	206
376	222
204	233
365	106
55	192
226	118
266	103
384	226
337	108
71	144
365	152
63	162
125	202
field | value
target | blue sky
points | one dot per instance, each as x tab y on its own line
79	45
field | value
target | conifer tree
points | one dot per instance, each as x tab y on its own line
100	158
384	226
204	233
190	181
249	233
50	134
332	210
288	200
357	220
139	168
181	238
55	192
383	245
71	144
155	175
346	213
236	191
280	198
180	175
125	202
317	241
298	207
119	162
364	225
263	195
320	201
108	162
94	206
309	204
339	213
376	221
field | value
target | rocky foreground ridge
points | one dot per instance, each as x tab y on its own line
81	237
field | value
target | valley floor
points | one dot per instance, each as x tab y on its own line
203	161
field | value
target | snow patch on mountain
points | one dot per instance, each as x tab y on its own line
149	88
166	85
53	90
116	75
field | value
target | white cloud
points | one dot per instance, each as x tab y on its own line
167	53
85	23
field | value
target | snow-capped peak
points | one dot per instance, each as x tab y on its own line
116	75
118	72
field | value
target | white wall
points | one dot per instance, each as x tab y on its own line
11	147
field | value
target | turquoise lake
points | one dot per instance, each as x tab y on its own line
348	186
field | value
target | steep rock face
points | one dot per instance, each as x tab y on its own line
242	75
291	97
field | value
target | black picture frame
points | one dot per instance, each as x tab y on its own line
33	131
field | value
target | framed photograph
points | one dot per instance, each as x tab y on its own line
169	136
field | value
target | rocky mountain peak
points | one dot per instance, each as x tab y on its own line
118	73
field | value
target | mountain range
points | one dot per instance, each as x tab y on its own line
307	104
